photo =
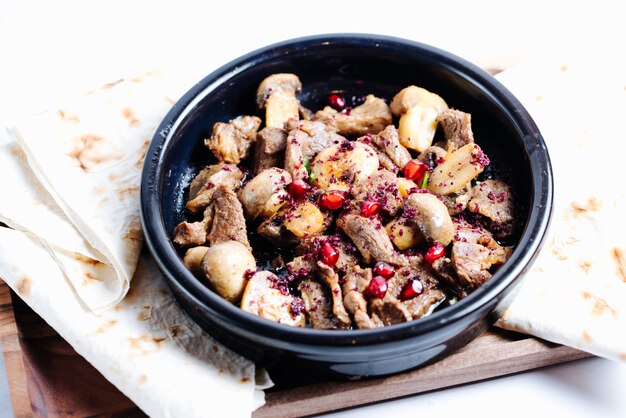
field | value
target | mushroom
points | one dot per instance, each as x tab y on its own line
225	265
418	109
431	155
432	218
261	298
265	193
277	94
193	259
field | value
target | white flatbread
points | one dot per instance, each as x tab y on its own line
146	346
87	158
575	293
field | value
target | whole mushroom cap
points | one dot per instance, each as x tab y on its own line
281	83
225	266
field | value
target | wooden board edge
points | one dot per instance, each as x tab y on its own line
529	354
12	354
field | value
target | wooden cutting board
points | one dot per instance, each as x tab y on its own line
48	378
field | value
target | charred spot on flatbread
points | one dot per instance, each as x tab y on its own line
68	116
91	152
620	262
593	204
129	115
599	305
106	326
23	286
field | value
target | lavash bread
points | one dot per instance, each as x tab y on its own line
146	346
88	156
72	203
575	293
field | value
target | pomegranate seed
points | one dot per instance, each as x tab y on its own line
298	189
332	200
376	288
435	252
370	208
412	289
337	102
414	169
329	254
383	269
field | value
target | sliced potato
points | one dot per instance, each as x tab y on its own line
459	168
338	166
305	220
404	234
262	299
405	186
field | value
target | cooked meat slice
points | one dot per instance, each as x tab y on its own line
302	266
457	202
380	187
228	220
457	128
314	136
318	304
230	142
474	251
389	310
388	148
470	263
370	117
262	298
371	239
256	195
383	159
294	160
444	269
355	282
193	260
424	303
363	321
430	296
269	150
204	184
494	200
330	277
304	140
207	217
312	246
190	234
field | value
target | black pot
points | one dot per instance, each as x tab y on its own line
352	65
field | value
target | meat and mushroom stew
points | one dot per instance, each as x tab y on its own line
348	217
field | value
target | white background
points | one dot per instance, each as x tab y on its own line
55	49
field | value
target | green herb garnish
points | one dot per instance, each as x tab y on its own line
425	181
